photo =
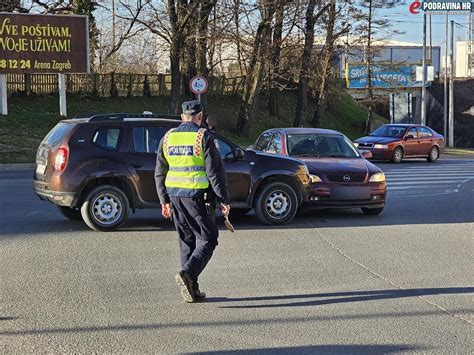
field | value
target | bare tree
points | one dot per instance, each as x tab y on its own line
205	9
13	6
326	58
311	18
201	37
255	70
273	103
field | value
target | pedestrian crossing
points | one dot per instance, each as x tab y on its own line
425	179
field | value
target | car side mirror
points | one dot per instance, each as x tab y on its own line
366	154
239	154
410	136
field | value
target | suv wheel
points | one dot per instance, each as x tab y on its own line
74	214
276	204
106	208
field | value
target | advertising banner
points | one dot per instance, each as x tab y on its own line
43	43
383	76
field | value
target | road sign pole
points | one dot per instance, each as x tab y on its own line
451	91
199	98
4	93
423	79
392	107
62	95
445	108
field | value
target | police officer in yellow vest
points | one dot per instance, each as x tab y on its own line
189	176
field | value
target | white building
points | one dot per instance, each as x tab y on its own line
464	60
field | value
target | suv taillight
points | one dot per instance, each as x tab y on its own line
61	159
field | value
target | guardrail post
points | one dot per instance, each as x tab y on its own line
4	93
28	84
62	94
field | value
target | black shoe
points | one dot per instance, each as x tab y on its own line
197	293
187	291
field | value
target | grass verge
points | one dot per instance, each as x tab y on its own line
459	151
31	118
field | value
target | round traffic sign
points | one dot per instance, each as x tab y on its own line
198	85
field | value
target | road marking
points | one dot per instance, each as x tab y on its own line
423	181
416	178
433	175
15	180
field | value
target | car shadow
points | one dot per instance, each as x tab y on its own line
324	349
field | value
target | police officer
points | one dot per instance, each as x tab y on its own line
189	175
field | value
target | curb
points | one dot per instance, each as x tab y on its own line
26	166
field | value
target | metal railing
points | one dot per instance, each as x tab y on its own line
114	84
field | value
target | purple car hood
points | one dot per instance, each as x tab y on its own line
337	165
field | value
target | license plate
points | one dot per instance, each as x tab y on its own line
40	169
350	193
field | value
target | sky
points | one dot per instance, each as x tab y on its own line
412	25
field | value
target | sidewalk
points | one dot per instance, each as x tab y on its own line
24	166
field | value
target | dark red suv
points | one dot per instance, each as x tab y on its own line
101	167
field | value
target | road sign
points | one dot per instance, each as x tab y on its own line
429	73
198	85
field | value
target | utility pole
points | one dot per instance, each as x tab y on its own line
113	33
370	93
451	90
431	44
423	80
445	106
470	59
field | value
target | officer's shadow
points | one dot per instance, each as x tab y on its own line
319	299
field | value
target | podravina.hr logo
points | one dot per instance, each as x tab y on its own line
441	6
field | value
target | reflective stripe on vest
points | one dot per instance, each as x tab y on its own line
187	168
185	155
192	179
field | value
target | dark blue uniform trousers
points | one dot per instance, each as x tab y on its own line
198	234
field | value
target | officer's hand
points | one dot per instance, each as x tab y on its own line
225	209
166	210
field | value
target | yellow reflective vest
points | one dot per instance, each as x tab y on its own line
184	152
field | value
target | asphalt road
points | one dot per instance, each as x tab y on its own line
332	282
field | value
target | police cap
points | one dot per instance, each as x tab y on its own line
191	107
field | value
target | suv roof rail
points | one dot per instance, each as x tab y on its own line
83	115
96	117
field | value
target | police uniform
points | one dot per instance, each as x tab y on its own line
190	174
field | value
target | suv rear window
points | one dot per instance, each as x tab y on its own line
147	139
56	135
107	138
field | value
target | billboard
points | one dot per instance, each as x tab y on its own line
385	76
43	43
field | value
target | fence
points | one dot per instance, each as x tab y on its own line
113	84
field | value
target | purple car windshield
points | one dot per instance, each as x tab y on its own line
320	145
389	131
